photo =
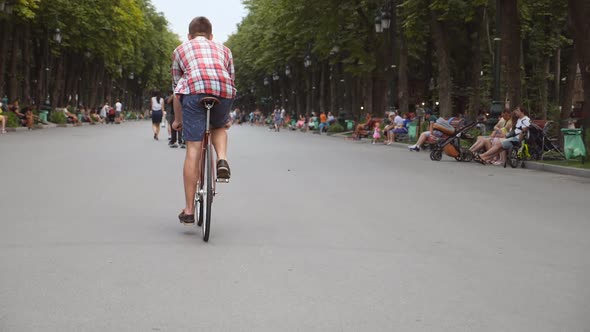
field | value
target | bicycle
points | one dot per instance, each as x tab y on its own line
517	154
205	185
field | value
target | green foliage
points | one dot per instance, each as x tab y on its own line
587	143
12	120
126	34
58	117
336	128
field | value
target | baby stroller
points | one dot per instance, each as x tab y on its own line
111	114
450	141
540	144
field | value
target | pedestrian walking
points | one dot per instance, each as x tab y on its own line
157	113
175	136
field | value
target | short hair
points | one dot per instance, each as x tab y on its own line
200	26
522	109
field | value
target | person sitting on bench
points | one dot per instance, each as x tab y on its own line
514	137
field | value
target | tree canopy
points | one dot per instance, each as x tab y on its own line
121	47
435	51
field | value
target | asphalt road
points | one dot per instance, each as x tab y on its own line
312	234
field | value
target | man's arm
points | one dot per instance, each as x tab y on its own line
176	69
177	125
230	65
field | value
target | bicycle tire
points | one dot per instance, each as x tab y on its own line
207	193
513	159
198	209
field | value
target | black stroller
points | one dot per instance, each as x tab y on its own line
541	146
450	143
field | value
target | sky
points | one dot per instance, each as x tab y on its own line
223	14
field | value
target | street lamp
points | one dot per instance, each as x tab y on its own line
57	36
266	82
385	19
275	76
334	50
307	61
131	76
287	70
378	23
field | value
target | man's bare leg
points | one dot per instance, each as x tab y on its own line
192	173
219	140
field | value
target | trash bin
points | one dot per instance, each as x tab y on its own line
573	143
43	116
349	125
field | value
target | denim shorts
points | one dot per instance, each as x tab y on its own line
510	142
194	116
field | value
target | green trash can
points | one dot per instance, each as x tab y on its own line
349	125
573	143
412	130
43	116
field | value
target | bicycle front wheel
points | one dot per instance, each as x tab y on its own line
207	193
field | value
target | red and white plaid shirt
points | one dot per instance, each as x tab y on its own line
200	66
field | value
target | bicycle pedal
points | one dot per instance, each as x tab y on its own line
222	180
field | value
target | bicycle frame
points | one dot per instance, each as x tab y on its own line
206	143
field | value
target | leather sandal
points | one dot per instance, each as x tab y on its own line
186	218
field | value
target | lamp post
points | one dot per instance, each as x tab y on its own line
385	20
307	64
267	83
57	36
497	105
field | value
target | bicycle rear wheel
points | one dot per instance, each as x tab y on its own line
207	198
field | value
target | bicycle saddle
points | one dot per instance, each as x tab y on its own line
209	102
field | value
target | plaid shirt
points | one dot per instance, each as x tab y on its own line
203	66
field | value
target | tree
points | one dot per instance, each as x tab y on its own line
579	11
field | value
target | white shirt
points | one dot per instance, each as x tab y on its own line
155	105
118	107
523	122
103	111
399	121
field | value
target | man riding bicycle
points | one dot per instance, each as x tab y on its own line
201	68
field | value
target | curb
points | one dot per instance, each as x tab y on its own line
580	172
563	170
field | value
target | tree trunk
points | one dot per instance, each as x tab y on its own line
367	94
333	81
308	93
56	98
445	84
557	79
568	95
13	90
544	86
579	11
511	51
479	31
403	97
27	65
6	33
322	87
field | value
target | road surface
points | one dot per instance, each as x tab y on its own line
312	234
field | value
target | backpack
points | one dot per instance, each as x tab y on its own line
112	111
